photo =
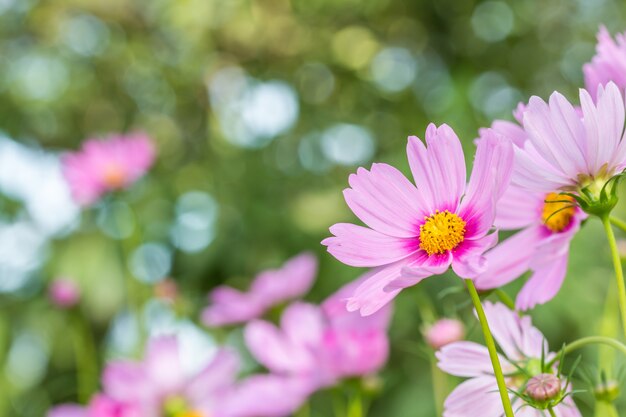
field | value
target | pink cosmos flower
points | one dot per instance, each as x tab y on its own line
159	385
609	63
567	152
315	347
102	166
64	293
269	288
443	332
558	148
521	344
415	232
548	221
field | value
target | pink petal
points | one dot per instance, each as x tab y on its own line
219	374
491	174
509	259
359	246
439	171
231	306
567	408
474	394
515	335
303	324
466	359
351	353
335	310
543	285
385	200
163	364
558	134
293	280
126	381
374	293
268	396
275	350
68	410
518	208
468	258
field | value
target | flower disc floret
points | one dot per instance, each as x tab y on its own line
558	212
441	232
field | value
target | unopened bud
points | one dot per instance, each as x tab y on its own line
543	387
443	332
64	293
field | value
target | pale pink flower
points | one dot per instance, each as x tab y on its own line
106	165
567	152
159	384
415	232
64	293
609	63
521	345
443	332
228	305
549	220
315	347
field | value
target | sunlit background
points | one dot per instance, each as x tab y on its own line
260	110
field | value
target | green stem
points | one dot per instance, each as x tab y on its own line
504	297
551	411
440	385
586	341
619	223
605	409
355	406
617	264
86	365
491	347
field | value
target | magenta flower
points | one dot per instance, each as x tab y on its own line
521	344
64	293
567	152
609	63
269	288
443	332
315	347
415	232
159	385
111	164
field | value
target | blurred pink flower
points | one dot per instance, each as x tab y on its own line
444	332
315	347
159	385
269	288
565	151
99	406
609	63
521	344
64	293
415	232
106	165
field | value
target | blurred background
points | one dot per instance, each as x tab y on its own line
260	110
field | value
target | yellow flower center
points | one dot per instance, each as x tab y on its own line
558	211
441	232
114	176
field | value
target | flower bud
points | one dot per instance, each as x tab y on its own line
64	293
443	332
543	387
